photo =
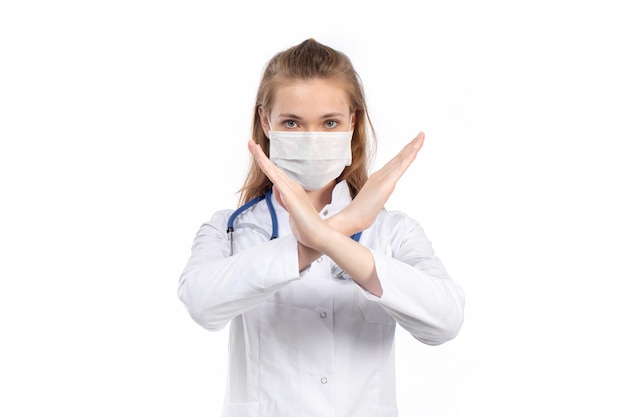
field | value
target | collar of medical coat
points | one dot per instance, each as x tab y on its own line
339	200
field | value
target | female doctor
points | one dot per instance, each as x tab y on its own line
312	273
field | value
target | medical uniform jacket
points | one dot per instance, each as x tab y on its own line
309	343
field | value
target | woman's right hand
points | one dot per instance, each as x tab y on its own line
362	212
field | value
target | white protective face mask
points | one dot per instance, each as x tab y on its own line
313	159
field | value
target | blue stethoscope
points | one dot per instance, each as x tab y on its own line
230	226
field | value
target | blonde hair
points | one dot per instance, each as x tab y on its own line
306	61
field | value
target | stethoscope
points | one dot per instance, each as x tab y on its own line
230	226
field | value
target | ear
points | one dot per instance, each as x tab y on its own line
263	116
353	120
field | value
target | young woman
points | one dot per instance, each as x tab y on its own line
313	274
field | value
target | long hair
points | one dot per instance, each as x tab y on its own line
308	61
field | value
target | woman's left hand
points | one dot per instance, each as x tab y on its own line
306	224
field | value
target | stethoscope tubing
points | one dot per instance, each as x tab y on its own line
230	226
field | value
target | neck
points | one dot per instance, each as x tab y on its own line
321	197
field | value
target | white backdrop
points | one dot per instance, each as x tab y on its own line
123	126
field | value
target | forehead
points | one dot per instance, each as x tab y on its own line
310	97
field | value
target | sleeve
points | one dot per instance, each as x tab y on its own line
216	287
417	291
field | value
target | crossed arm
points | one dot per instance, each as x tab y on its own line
330	237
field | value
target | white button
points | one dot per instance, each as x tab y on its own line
320	260
323	314
323	380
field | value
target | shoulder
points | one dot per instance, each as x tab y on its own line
216	225
396	221
397	228
400	236
221	218
244	220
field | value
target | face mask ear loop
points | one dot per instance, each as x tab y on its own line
269	123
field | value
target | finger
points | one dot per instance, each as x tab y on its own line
401	162
413	147
279	198
409	153
257	152
268	168
277	176
419	140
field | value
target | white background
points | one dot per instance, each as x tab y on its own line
123	127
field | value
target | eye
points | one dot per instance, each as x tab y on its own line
331	124
290	124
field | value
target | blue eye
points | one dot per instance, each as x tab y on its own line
331	124
290	124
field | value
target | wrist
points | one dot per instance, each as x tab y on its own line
332	240
342	223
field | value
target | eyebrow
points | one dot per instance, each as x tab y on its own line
326	116
296	117
289	116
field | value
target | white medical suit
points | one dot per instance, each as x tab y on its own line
309	344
